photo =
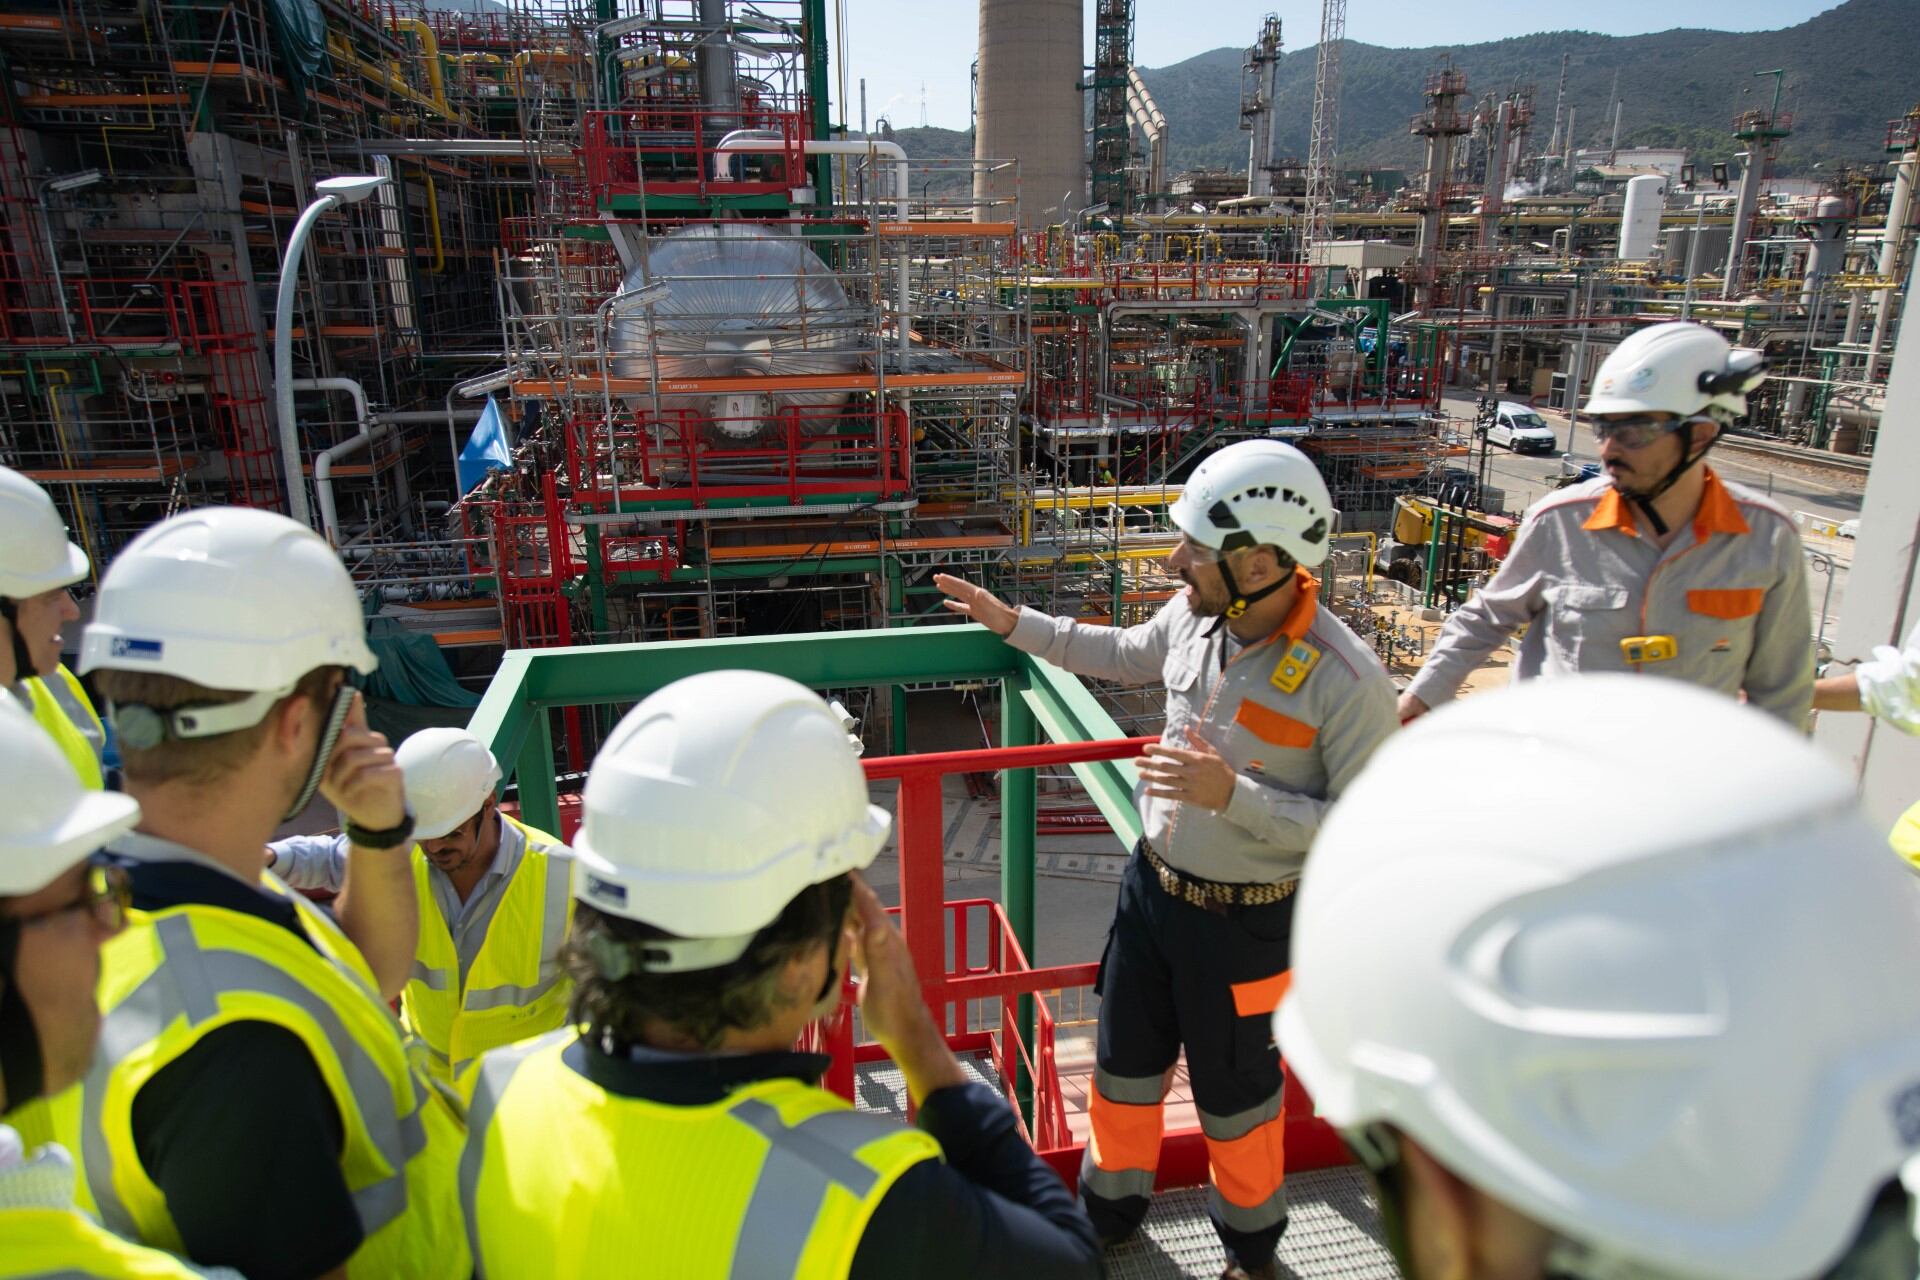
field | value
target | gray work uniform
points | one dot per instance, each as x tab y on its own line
1294	752
1730	592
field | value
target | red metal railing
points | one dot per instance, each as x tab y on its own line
220	328
800	453
674	146
936	929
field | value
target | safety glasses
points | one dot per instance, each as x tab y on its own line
1635	431
1195	552
106	896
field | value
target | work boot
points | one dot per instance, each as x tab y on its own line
1268	1270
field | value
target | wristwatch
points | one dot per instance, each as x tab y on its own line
384	839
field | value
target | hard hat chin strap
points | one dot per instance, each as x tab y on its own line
323	750
1688	457
1238	601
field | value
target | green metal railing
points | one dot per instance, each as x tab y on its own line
1039	703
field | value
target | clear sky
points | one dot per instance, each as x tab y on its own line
901	45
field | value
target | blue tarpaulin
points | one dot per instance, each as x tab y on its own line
487	447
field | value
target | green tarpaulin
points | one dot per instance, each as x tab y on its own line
412	670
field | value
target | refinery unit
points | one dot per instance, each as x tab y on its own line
607	344
751	371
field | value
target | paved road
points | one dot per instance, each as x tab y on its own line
1528	478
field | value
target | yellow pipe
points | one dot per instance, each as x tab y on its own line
527	57
430	54
389	80
65	377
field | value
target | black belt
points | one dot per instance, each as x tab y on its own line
1210	895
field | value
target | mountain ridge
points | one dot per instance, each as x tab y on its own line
1848	71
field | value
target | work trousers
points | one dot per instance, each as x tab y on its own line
1175	975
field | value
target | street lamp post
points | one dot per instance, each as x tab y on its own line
334	192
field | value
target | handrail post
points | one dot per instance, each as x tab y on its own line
1018	794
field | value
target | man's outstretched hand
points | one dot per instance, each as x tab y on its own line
978	603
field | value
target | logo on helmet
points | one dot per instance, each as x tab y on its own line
127	647
1643	379
614	895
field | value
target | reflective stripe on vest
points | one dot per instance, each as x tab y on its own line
522	930
176	975
54	1244
60	706
777	1181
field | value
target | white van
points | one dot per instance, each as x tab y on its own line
1520	429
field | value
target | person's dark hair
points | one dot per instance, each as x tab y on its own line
702	1005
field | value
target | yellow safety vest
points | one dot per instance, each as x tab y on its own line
563	1179
173	976
62	708
61	1244
1905	836
513	990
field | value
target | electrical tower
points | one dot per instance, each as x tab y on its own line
1326	126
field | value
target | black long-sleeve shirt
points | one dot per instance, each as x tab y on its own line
992	1208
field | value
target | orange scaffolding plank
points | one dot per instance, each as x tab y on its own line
857	547
229	71
456	639
47	22
945	228
103	100
118	473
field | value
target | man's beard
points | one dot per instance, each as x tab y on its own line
1198	601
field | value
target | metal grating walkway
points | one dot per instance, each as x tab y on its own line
1332	1231
1332	1228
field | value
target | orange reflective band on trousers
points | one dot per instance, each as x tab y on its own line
1123	1135
1250	1170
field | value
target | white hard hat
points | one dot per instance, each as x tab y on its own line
449	773
1256	493
50	821
229	598
1668	1012
714	803
1680	368
35	555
